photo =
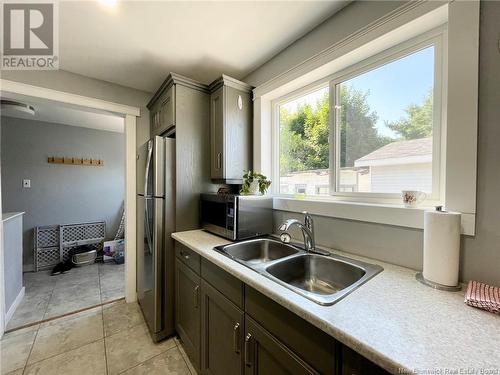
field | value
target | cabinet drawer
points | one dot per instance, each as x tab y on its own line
227	284
310	343
187	256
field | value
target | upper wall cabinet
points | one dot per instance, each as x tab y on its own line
162	106
231	117
180	107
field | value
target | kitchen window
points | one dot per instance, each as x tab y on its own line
371	130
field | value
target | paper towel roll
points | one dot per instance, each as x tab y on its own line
441	247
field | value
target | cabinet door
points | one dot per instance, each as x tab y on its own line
264	354
164	116
217	134
238	131
355	364
187	310
221	333
167	109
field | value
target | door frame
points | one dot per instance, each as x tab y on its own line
129	114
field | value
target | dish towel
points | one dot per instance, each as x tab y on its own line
483	296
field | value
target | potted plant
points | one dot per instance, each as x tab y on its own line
254	183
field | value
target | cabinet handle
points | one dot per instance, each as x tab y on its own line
236	338
248	350
196	296
184	255
219	160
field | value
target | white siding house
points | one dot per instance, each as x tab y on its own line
402	165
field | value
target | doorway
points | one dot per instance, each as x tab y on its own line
81	200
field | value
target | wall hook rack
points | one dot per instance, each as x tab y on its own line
76	161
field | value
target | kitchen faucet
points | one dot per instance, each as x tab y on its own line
307	232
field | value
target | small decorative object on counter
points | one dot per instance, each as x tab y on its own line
254	183
483	296
412	198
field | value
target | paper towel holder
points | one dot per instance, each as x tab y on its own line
420	277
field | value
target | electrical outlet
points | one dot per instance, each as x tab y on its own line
26	184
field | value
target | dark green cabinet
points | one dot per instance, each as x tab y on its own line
227	327
221	333
187	310
231	117
355	364
163	112
264	354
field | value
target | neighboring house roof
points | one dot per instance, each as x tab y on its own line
414	151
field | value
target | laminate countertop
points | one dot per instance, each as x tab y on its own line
393	320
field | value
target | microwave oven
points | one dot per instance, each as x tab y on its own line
236	217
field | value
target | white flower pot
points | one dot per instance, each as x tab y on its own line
254	188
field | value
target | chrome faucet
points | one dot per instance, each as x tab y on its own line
307	232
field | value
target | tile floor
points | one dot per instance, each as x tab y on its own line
49	296
110	339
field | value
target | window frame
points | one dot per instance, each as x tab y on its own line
437	38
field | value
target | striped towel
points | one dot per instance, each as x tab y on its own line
483	296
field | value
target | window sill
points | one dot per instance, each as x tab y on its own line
388	214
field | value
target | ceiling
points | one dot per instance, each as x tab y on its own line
64	114
136	43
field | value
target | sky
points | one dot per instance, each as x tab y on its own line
392	87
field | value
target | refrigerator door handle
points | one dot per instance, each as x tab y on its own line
148	165
147	226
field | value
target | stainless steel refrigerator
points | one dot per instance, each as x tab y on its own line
155	252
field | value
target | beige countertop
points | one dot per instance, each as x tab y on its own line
393	320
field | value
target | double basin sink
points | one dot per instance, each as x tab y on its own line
322	279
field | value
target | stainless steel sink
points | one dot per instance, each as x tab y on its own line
322	279
261	250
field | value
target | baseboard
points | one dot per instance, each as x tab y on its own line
28	268
15	304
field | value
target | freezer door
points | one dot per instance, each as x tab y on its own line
150	261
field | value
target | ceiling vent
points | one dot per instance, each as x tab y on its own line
12	105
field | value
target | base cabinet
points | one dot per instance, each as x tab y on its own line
264	354
222	325
187	310
355	364
229	328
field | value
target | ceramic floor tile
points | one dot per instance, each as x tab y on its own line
61	335
15	348
17	372
121	315
48	296
131	347
185	356
112	294
31	309
169	363
77	281
88	359
65	301
33	287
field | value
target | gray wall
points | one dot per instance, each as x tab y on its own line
12	232
353	17
60	194
480	258
77	84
